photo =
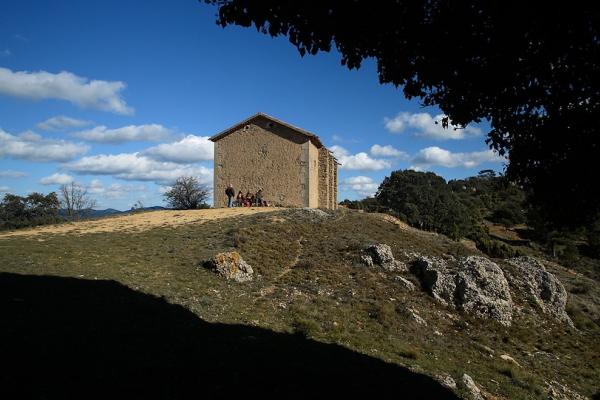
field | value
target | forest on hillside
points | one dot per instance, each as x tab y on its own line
468	208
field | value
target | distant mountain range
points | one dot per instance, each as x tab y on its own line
111	211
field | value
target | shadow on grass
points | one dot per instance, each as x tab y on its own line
64	338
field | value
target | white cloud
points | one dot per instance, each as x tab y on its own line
60	122
4	189
164	189
56	179
12	174
130	133
32	147
114	191
432	156
424	125
387	151
119	191
188	150
97	94
135	166
30	136
95	186
363	185
358	161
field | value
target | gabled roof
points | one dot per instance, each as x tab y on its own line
313	138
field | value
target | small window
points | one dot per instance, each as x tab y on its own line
269	124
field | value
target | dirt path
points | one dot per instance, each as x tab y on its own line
138	222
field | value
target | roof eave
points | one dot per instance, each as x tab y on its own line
313	138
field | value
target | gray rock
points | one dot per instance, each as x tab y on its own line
414	314
446	381
381	255
558	391
306	214
399	266
477	287
231	266
508	358
542	287
435	278
366	259
405	283
469	384
315	212
482	290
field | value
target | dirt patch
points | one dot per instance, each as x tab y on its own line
138	222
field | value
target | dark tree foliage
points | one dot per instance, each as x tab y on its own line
497	199
530	68
187	194
425	200
35	209
369	204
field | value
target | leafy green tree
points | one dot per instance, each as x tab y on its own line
532	69
424	200
35	209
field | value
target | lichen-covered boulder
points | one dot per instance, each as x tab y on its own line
482	290
381	255
476	285
435	278
471	387
231	266
404	283
541	286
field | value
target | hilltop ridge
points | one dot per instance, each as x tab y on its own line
310	282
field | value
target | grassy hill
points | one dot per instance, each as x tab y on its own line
134	309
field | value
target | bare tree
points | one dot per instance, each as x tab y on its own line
75	200
139	205
186	194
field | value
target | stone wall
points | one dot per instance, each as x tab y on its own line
286	164
313	175
267	155
332	189
335	185
324	188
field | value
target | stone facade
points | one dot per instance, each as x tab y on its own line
291	165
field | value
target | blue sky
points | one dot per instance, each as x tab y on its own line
121	96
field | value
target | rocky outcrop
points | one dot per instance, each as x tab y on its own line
471	387
482	290
381	255
446	381
404	283
541	287
306	214
435	278
477	286
231	266
558	391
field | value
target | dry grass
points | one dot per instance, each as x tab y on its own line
138	222
324	294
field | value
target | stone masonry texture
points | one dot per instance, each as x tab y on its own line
292	170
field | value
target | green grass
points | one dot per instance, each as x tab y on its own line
326	295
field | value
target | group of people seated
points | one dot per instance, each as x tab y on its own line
250	200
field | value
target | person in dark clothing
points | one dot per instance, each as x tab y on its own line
240	199
258	198
230	192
